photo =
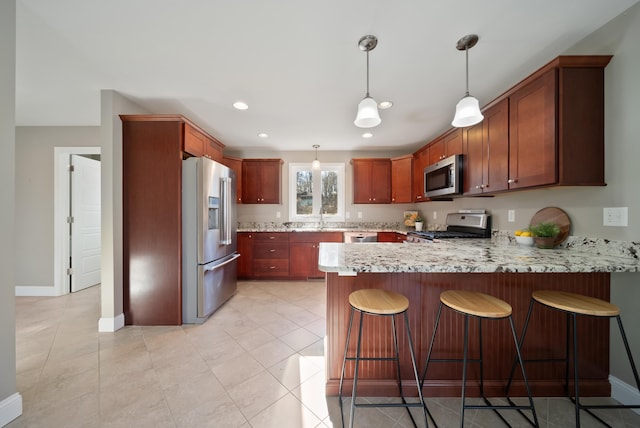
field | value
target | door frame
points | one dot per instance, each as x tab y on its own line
61	201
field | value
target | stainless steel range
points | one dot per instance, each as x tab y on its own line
474	224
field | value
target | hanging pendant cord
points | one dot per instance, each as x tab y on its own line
367	75
466	50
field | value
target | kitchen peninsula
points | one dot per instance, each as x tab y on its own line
493	266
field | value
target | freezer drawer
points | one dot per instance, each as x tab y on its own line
211	286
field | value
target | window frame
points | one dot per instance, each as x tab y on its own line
339	169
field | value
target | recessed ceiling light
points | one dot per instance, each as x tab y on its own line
263	135
240	105
367	135
385	105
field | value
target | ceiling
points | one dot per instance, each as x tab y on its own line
296	63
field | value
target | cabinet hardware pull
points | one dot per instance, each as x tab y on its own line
511	181
272	251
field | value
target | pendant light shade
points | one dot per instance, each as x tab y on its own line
316	163
368	115
468	109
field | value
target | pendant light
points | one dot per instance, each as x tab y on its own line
467	110
316	163
367	116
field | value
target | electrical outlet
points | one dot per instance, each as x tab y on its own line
511	215
347	215
435	215
618	216
359	214
277	214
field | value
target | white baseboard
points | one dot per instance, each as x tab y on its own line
34	291
109	325
624	393
10	408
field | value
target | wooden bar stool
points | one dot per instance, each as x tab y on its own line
481	306
387	304
574	305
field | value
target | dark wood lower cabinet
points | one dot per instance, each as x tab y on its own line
545	337
303	250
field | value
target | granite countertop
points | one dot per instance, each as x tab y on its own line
324	227
478	255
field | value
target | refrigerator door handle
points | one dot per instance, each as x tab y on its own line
222	264
225	230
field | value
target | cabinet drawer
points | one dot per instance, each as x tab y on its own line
271	250
276	236
316	237
276	267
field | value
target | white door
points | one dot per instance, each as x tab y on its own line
85	226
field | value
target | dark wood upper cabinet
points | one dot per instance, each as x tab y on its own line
420	162
548	130
371	181
533	149
486	153
198	143
402	180
261	181
236	165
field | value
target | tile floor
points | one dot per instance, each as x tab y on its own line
257	362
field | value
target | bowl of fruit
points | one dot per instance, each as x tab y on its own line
524	237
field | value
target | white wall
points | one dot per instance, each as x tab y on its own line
112	104
10	399
35	197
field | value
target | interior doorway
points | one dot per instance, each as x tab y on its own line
64	221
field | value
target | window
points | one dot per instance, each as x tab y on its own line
313	191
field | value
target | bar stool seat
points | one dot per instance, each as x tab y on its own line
481	306
385	303
378	302
477	304
573	305
570	302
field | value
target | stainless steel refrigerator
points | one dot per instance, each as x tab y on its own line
209	248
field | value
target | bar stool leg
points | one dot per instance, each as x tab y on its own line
576	379
464	368
524	374
415	373
433	339
520	342
355	374
344	363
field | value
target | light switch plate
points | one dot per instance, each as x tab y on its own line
615	216
511	216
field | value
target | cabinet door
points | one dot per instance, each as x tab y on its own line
303	259
452	143
437	151
236	165
420	161
194	141
532	134
391	237
361	181
401	180
474	160
245	249
270	181
261	181
495	137
381	181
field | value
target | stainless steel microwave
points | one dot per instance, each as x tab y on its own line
443	178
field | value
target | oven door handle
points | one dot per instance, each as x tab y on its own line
222	264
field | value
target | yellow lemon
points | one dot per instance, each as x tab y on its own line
517	232
525	233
